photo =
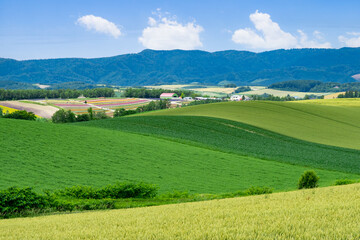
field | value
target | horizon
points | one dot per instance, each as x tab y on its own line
193	50
89	29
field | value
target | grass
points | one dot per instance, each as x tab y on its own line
236	137
330	125
45	155
326	213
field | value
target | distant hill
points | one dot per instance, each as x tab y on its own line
177	66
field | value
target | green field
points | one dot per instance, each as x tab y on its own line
239	138
326	213
46	155
324	124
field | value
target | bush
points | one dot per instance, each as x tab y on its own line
83	117
100	115
21	114
114	191
258	190
62	116
16	201
309	179
345	181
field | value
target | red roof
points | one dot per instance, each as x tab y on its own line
167	94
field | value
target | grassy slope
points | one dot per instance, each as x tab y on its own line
331	125
52	156
239	138
327	213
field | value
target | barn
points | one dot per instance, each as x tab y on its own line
168	95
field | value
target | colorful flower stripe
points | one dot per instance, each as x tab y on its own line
72	105
111	100
126	103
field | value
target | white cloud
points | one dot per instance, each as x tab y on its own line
100	25
351	41
167	34
269	35
304	42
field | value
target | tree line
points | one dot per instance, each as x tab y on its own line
315	86
59	93
153	93
350	94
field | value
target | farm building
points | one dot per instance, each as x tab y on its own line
168	95
239	98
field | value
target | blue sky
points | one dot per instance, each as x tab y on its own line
54	29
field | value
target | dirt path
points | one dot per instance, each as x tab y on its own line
42	111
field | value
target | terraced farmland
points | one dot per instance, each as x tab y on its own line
47	155
330	125
326	213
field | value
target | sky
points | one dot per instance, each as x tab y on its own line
42	29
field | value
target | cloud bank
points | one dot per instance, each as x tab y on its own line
353	41
100	25
268	35
167	34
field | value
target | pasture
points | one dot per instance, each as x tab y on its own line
329	125
325	213
51	156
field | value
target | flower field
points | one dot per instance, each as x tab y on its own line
7	109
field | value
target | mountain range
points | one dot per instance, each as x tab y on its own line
151	67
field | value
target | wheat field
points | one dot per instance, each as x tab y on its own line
326	213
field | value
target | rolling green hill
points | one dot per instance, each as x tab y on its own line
330	125
53	156
239	138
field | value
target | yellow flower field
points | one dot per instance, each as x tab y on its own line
7	109
326	213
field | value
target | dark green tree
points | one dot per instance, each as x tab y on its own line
309	179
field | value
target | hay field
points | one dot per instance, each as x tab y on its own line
334	95
326	213
340	102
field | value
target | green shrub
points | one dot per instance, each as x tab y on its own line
21	114
113	191
175	194
16	201
129	190
62	116
83	117
82	192
258	190
345	181
100	115
309	179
